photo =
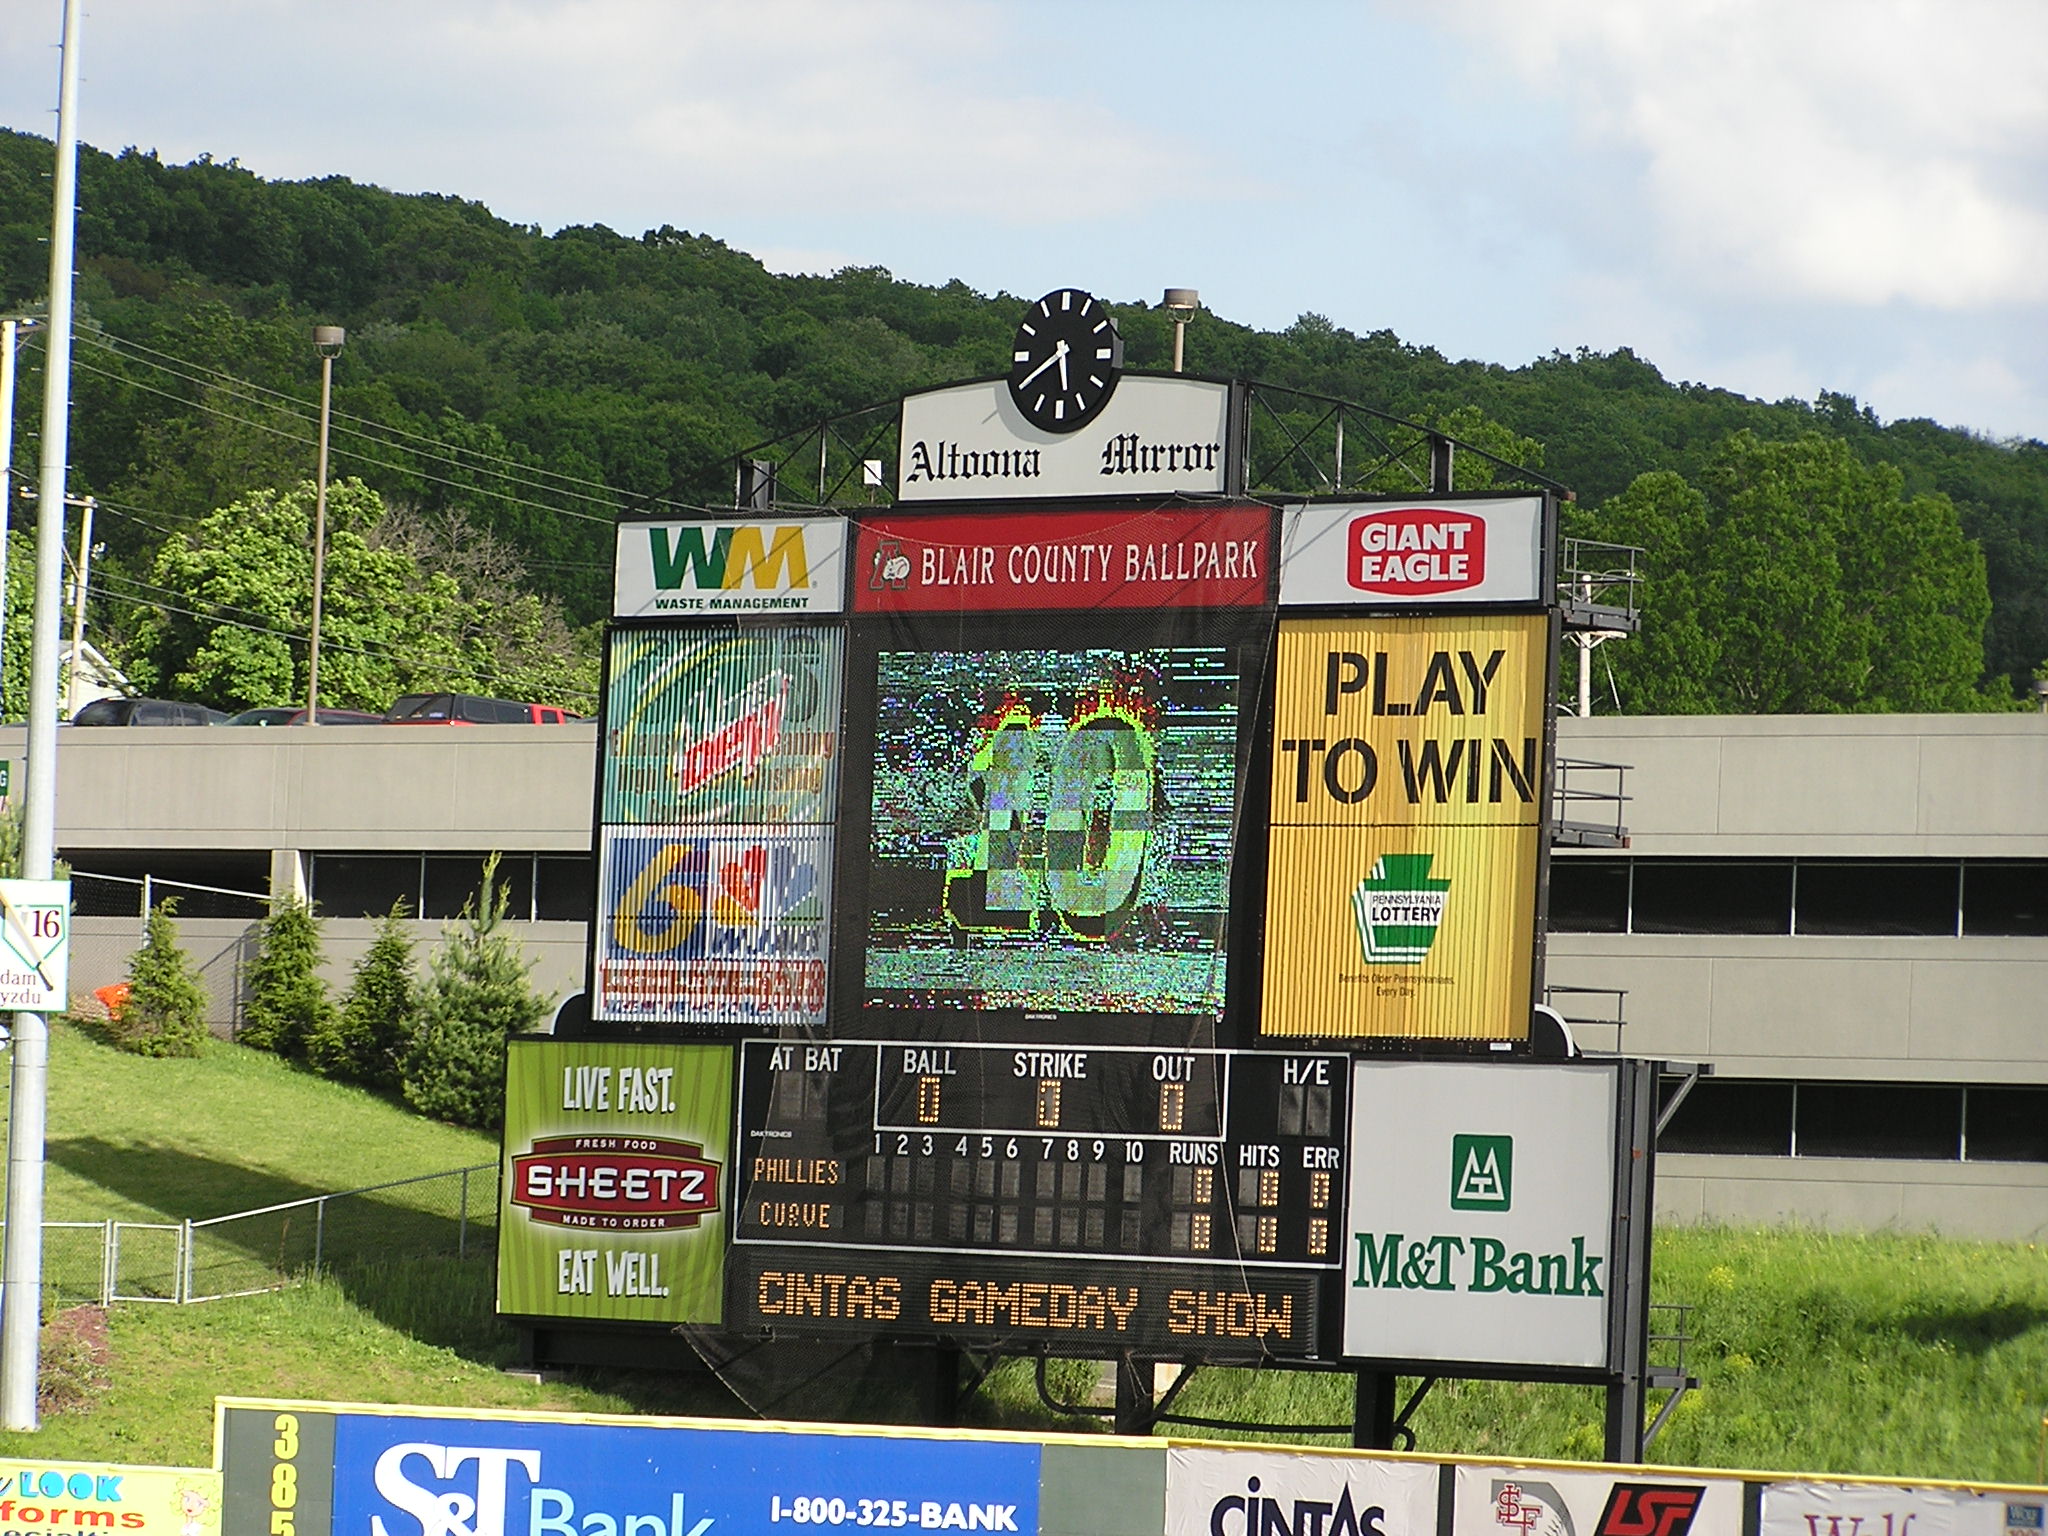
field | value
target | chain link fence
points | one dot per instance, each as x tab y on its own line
216	928
452	1216
441	1215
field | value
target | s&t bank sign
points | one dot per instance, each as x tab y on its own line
675	570
418	1476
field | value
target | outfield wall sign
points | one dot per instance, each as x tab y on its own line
1552	1501
1881	1509
1246	1492
35	946
1480	1218
1157	436
54	1498
674	570
1445	552
367	1471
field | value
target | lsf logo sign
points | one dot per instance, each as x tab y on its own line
1482	1173
1649	1509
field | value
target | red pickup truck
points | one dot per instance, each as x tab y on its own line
470	709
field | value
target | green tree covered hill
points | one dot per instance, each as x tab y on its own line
537	383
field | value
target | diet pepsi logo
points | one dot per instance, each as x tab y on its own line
1416	551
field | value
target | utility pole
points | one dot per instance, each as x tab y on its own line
13	333
327	341
84	573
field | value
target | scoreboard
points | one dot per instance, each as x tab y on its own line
953	1188
1009	898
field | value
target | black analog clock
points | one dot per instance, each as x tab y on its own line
1066	361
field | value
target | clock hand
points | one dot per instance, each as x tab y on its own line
1058	355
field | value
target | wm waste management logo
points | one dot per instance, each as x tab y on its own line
1399	909
1482	1173
684	568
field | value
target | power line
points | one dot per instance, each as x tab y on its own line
363	426
357	454
370	652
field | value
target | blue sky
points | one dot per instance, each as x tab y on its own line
1768	197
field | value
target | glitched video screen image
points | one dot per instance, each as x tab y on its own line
1051	828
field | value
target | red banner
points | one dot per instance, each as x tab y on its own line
973	563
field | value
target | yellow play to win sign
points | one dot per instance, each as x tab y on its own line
1409	795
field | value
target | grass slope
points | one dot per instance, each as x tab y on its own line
1884	1355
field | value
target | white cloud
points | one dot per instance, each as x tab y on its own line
1850	151
910	107
1978	387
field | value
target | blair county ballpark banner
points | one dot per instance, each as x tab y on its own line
1212	557
677	570
1439	553
1158	436
1244	1492
1481	1218
617	1181
1410	785
1551	1501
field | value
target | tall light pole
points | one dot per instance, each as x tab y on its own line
1180	303
327	341
13	334
22	1265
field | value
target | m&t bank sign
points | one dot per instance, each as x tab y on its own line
676	570
1481	1212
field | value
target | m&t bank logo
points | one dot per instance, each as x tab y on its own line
1482	1173
705	557
1399	909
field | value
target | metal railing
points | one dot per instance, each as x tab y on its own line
449	1215
1589	815
132	896
442	1215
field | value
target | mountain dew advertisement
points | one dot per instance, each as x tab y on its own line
1410	785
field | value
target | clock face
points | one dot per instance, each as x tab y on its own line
1066	361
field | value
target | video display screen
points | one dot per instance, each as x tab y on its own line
712	925
1051	827
714	724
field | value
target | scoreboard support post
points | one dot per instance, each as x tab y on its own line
1635	1164
1136	1409
1372	1410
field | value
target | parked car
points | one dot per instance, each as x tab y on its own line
145	712
470	709
284	714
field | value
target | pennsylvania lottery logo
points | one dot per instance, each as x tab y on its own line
1399	909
